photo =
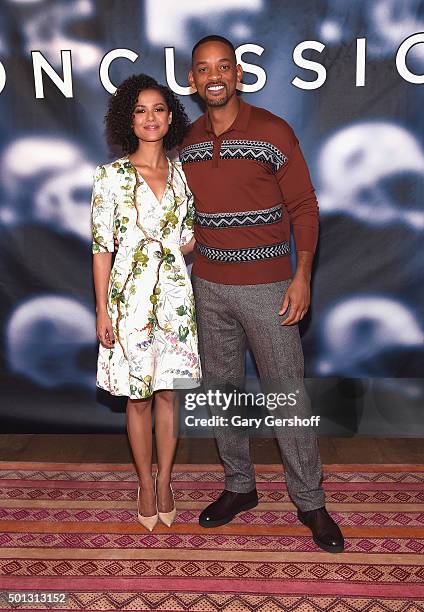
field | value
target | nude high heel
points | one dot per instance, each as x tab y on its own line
167	517
147	521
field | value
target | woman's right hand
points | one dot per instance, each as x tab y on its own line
104	330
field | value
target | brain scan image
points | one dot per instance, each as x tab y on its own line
45	339
51	188
360	329
373	171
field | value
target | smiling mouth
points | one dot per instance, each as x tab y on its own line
215	88
151	127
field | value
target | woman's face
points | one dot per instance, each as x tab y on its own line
151	118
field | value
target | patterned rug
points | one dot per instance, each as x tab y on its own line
72	528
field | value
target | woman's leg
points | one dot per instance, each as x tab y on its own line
139	428
166	442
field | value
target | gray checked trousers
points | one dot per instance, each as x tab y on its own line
229	317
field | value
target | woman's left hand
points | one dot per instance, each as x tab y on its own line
187	248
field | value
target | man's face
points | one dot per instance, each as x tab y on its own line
214	73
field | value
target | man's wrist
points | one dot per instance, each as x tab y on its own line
304	261
302	275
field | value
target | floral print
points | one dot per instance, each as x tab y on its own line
150	298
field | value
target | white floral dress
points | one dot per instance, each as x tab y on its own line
150	298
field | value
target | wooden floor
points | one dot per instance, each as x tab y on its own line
114	448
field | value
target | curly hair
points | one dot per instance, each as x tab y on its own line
120	109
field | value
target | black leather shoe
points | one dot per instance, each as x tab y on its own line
325	531
225	508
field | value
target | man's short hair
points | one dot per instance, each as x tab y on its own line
214	38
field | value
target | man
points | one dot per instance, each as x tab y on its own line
250	183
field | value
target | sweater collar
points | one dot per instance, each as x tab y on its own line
240	123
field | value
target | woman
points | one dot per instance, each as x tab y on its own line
144	303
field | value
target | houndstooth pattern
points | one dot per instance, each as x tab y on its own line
246	254
201	151
256	150
239	219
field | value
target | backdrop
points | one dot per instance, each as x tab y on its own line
357	111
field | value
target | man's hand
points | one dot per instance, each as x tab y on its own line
298	297
116	243
104	329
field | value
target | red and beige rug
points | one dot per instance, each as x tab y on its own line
73	528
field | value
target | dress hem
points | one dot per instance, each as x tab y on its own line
194	384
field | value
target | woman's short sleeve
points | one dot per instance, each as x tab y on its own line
102	213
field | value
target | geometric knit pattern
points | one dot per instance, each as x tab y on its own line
254	150
239	219
245	254
201	151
